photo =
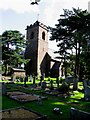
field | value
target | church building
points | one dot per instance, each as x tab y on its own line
42	60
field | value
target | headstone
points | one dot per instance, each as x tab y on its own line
31	78
69	79
3	88
89	82
43	85
34	79
13	77
86	91
43	76
25	80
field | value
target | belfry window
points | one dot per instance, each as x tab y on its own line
43	35
32	35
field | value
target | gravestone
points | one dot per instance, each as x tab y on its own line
31	78
34	79
13	77
69	79
89	82
76	114
43	85
43	76
25	80
3	88
34	85
86	90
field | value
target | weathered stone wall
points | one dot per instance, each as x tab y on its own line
37	47
42	49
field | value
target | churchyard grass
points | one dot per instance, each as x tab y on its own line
46	107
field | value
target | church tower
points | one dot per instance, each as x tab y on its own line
37	48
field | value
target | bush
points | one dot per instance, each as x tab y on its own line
64	88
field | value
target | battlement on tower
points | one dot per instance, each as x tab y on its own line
37	23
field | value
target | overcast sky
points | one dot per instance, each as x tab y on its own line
17	14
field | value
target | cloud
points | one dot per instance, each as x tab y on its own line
16	14
55	8
19	6
49	10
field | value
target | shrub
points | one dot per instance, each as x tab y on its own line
64	88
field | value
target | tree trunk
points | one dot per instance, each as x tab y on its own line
78	66
65	66
75	71
6	69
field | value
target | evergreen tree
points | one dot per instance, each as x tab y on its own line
73	33
13	44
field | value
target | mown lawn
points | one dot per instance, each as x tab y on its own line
46	107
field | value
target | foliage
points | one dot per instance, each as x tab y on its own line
13	44
47	106
64	88
72	34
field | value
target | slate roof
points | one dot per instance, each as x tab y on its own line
53	55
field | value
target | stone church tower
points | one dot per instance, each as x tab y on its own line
37	48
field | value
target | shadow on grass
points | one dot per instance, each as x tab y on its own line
46	106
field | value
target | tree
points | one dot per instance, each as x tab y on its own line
72	32
13	44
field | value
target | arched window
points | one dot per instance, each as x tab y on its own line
43	35
32	35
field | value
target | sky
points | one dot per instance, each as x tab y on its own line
17	14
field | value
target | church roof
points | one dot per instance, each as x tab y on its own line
54	55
